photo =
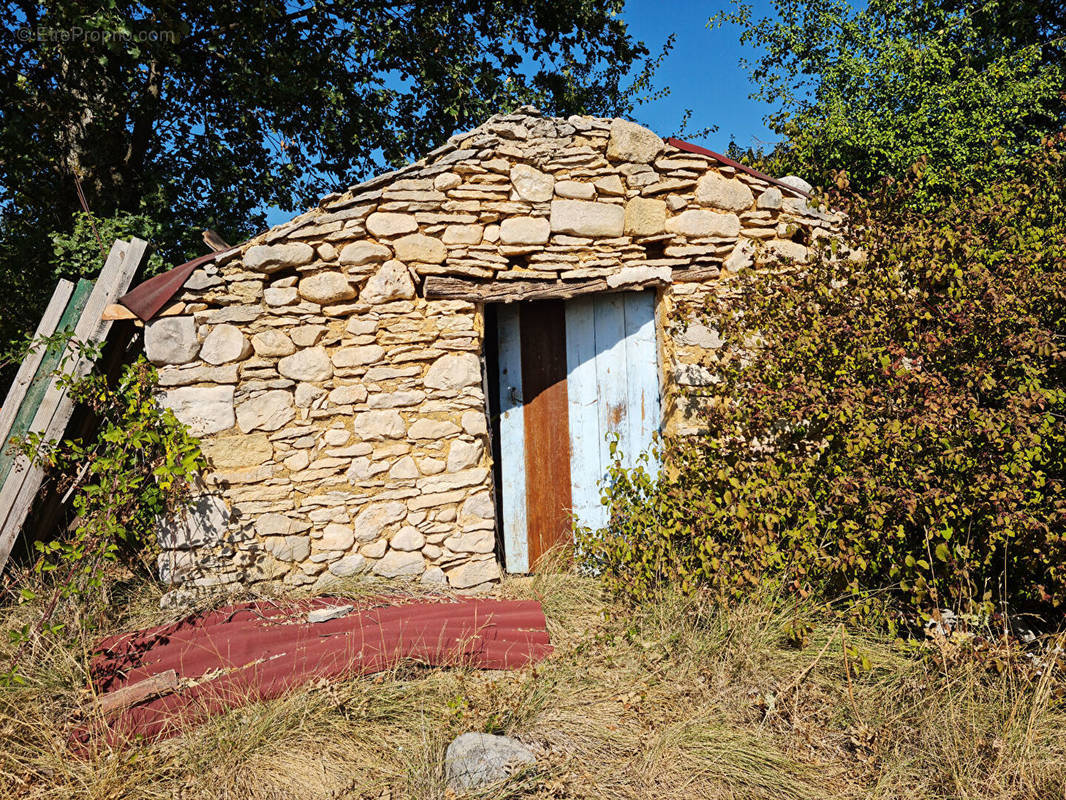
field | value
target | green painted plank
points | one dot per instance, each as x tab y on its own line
43	377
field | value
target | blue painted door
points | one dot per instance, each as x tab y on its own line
612	389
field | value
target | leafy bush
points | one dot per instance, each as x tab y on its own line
82	252
136	468
891	428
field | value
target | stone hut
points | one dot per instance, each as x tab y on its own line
418	378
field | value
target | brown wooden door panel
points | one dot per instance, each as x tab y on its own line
547	434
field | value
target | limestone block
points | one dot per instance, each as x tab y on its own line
359	254
577	190
743	256
472	542
434	576
273	257
375	426
699	335
236	452
404	469
336	537
370	522
202	522
280	295
585	218
645	216
171	340
325	288
474	423
478	505
349	565
392	281
464	454
361	326
374	549
271	343
446	181
384	223
288	548
407	539
335	437
346	357
307	335
400	564
525	230
611	185
205	410
348	395
632	142
418	247
463	234
297	461
268	411
425	428
700	224
225	343
453	480
307	394
629	276
309	364
784	248
473	573
531	184
770	200
454	371
797	182
431	466
274	524
200	373
728	194
396	399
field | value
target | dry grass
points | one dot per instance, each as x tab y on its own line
678	699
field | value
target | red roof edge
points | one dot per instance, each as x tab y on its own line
147	298
703	151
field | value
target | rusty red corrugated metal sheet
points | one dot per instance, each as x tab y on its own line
260	651
729	162
146	299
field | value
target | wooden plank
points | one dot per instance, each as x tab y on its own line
117	311
611	374
42	381
583	414
28	368
512	441
165	682
548	519
19	490
439	287
642	375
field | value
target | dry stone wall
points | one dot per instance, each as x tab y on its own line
343	413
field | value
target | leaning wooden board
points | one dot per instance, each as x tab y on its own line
53	407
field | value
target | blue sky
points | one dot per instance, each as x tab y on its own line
703	72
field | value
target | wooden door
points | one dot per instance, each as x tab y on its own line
570	375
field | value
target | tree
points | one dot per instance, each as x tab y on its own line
970	86
200	115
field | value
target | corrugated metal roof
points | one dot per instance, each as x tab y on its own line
259	651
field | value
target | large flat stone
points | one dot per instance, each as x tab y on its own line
417	247
325	288
632	142
274	257
531	184
203	522
171	340
392	281
267	412
525	230
728	194
205	409
384	223
453	372
225	344
400	564
586	218
369	524
311	364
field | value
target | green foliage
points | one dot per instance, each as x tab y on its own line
891	427
970	86
137	468
204	115
82	252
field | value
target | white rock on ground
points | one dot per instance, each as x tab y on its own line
475	760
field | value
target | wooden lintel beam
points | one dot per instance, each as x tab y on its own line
441	287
